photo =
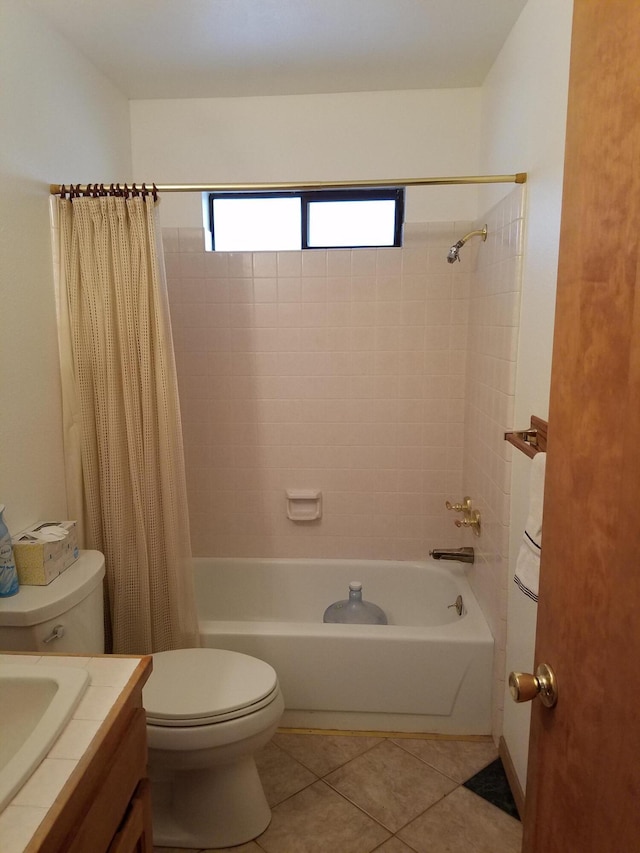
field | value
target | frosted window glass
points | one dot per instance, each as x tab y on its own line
352	223
257	224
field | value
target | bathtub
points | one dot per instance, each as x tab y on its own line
428	670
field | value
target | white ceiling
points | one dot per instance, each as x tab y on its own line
227	48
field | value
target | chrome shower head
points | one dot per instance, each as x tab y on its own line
454	252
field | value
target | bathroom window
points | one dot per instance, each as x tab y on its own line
319	219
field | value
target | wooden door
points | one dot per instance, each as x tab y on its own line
583	789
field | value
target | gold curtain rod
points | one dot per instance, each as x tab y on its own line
518	178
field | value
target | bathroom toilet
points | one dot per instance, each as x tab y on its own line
208	711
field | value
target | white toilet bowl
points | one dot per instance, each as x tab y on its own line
208	712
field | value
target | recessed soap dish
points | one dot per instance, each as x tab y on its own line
304	504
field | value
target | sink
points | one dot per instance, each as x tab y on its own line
36	703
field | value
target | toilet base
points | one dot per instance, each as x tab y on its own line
220	806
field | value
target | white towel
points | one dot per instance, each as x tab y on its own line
528	563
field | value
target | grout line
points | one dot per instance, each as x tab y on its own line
404	825
363	810
442	772
323	778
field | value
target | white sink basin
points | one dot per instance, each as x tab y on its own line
36	703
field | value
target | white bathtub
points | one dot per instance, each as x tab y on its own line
428	670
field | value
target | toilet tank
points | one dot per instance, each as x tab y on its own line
65	616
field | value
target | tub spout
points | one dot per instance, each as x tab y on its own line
462	555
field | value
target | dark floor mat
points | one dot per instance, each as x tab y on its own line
491	784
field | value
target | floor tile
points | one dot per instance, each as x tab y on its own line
393	845
280	774
318	820
455	758
491	784
463	823
173	850
390	784
249	847
323	753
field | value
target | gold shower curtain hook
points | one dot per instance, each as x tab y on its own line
63	191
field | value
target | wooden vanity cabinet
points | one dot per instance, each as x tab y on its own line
105	807
134	834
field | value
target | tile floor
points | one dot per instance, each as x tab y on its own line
358	794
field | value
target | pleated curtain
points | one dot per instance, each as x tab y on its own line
122	429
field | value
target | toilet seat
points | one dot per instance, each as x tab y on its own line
199	687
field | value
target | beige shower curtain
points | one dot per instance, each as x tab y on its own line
123	439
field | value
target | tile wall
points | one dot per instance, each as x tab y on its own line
338	370
494	319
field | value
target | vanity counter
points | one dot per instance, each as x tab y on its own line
90	793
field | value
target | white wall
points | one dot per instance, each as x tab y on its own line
61	121
349	136
524	102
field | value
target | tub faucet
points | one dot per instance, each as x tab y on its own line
462	555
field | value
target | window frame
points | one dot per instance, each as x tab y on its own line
308	197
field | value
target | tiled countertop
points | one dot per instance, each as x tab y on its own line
109	675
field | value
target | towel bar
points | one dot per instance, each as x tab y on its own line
530	441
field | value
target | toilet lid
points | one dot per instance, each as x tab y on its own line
190	687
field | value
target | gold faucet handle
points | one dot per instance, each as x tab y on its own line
464	506
472	520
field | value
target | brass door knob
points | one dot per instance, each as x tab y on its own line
524	687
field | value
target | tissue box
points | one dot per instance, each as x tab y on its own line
39	560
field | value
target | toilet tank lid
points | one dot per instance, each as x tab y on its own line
35	604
